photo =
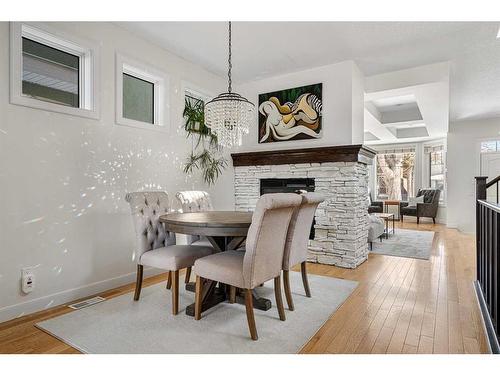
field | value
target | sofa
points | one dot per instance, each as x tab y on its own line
428	208
376	228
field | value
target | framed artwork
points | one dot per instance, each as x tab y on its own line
291	114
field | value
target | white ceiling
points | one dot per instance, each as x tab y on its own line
263	49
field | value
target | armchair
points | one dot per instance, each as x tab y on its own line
427	209
374	206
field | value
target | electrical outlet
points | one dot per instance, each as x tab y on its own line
27	280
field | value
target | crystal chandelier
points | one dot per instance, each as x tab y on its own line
229	114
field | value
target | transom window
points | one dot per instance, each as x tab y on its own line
50	74
490	146
138	99
141	95
53	71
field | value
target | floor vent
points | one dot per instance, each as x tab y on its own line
86	303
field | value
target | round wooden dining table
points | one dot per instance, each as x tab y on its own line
226	230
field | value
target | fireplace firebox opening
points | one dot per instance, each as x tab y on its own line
288	185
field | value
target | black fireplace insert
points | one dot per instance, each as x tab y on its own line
288	185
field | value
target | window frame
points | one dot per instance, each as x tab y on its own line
442	198
396	150
426	172
160	81
88	80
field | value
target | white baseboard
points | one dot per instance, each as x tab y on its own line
65	296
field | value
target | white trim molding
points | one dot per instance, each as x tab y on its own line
87	51
159	79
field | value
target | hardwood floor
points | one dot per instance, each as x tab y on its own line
401	305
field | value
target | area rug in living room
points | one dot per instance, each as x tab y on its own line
120	325
406	243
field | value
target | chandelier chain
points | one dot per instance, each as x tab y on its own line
229	62
229	114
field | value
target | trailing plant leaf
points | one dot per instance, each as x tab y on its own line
210	166
191	163
208	160
212	172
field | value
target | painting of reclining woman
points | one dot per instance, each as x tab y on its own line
290	114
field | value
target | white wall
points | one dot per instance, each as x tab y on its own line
64	178
464	139
343	101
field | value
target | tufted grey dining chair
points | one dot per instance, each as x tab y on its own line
156	247
262	259
297	241
194	201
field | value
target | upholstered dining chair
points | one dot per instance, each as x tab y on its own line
194	201
156	247
262	259
297	241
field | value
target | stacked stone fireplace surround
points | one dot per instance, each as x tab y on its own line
341	229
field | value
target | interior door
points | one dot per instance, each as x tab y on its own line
490	166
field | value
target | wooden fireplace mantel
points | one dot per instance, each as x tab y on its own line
347	153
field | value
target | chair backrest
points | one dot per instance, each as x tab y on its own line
146	208
194	201
298	231
430	195
266	237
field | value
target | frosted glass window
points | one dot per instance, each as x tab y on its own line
50	74
138	99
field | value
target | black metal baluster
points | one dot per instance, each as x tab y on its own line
494	302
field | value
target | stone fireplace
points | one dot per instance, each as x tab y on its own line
340	173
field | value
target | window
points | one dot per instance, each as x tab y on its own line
138	99
50	74
52	71
141	95
194	108
490	146
395	174
437	170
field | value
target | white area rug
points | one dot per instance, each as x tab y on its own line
120	325
406	243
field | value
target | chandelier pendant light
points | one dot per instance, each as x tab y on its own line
229	114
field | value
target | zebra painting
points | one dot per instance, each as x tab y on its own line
299	117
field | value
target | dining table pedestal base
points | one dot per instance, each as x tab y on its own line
216	295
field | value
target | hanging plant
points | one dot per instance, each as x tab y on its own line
205	155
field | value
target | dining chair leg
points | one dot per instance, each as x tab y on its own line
250	316
188	275
197	297
138	283
279	300
232	294
288	292
169	280
304	279
175	292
